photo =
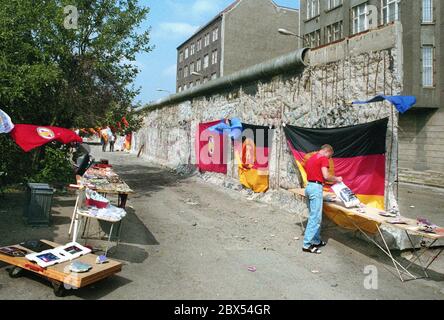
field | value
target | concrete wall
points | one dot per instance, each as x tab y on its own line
251	33
313	98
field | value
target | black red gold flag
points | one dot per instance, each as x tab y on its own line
252	157
359	155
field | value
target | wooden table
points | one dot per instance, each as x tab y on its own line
372	216
59	275
106	181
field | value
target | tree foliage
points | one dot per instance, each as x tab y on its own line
69	77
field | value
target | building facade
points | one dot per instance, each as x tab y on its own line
242	35
421	136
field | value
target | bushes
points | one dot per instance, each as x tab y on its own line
49	164
54	168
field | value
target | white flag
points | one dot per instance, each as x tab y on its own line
6	124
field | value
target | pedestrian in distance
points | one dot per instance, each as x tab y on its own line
112	140
103	142
317	173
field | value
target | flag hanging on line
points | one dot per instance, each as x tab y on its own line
359	155
401	103
6	124
210	153
29	136
252	152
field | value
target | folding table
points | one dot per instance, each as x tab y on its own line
372	219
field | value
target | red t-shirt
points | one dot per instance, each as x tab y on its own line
313	167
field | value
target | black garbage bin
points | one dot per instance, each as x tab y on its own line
38	203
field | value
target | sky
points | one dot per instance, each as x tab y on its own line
172	22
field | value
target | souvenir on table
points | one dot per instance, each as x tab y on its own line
36	245
345	194
47	258
13	252
72	250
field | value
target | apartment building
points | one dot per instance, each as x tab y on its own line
243	34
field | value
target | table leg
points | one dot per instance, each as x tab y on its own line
74	214
418	255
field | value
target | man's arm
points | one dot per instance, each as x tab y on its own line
329	177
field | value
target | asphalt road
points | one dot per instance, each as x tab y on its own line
185	239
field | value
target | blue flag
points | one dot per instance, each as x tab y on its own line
401	103
234	129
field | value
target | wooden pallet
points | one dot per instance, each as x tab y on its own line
59	275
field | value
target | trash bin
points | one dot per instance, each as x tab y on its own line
38	203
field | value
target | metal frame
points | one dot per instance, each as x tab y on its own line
398	266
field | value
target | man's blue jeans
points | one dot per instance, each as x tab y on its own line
314	193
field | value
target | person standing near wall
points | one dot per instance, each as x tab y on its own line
112	140
317	173
103	141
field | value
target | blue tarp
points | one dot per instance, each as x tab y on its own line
401	103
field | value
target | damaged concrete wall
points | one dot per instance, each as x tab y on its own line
316	97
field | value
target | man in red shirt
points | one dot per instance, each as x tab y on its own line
317	173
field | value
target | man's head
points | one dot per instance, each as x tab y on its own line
327	151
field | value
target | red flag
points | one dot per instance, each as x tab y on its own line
210	149
125	122
29	136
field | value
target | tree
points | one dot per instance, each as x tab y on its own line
54	72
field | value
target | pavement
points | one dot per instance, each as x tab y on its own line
186	239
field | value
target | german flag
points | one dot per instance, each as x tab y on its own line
251	152
359	156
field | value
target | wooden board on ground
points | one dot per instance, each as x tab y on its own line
61	273
373	214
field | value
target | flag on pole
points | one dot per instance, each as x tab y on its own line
401	103
6	124
29	136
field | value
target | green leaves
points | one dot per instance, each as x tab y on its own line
51	75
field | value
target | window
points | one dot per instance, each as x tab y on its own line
199	45
198	65
185	72
312	8
205	80
193	49
181	56
215	34
390	10
213	76
197	82
334	32
427	66
360	18
314	39
214	57
334	3
186	53
180	89
191	68
207	40
206	61
179	74
427	11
